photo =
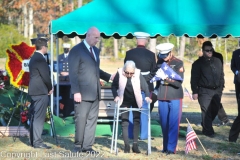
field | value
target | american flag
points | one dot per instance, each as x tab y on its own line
168	71
190	139
187	94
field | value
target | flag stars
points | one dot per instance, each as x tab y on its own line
165	68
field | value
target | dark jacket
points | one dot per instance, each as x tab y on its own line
40	82
84	72
235	63
144	60
171	89
206	73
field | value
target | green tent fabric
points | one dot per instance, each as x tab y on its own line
117	18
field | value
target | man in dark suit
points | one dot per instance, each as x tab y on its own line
235	67
84	75
40	87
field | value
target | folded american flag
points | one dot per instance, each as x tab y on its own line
168	71
190	139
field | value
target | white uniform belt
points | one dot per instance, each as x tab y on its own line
145	73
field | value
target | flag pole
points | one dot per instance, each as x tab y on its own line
197	137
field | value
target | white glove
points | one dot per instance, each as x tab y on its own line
160	73
155	91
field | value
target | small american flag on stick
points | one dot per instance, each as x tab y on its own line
190	139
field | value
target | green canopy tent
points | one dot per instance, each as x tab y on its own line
117	18
121	18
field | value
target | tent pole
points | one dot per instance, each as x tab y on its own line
51	68
57	77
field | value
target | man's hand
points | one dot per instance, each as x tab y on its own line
50	92
112	76
195	96
64	73
148	99
77	97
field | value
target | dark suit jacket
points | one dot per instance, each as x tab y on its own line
235	63
40	82
84	72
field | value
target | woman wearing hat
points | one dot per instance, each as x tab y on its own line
170	95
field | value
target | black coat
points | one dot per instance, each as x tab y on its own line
144	60
206	73
40	82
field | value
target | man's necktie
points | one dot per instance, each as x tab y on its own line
91	53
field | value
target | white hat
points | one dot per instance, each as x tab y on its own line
164	47
141	35
66	45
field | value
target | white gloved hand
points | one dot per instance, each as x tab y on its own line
160	73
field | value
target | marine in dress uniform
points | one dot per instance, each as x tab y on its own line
170	95
206	78
145	60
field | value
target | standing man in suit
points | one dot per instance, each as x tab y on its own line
235	67
84	74
40	87
145	60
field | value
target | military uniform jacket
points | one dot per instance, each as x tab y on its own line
64	61
171	89
144	60
206	73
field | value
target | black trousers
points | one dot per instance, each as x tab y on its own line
222	116
209	101
235	129
37	111
125	124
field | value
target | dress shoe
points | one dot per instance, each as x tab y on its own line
127	148
209	135
169	152
135	148
77	149
43	146
90	150
164	151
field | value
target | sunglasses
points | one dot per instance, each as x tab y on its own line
129	73
208	50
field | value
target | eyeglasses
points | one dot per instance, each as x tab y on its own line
208	50
129	73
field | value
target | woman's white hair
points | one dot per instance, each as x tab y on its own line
130	64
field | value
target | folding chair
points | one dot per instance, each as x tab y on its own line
116	120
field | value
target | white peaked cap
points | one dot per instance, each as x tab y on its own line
164	48
66	45
141	35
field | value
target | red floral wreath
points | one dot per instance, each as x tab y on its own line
18	77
